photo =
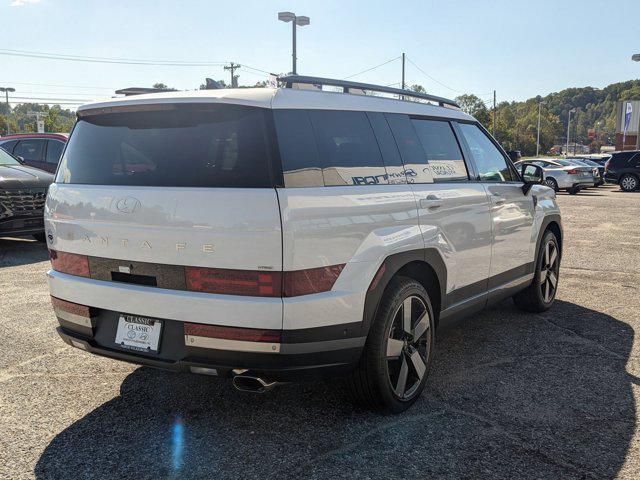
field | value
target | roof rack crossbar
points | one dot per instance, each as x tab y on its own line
346	85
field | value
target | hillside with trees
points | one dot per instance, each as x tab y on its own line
516	122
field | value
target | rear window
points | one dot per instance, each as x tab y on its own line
194	146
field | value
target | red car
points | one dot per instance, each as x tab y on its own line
39	150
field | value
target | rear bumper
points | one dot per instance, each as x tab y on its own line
280	367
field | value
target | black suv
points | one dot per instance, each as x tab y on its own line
22	194
623	168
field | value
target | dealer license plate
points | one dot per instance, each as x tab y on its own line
138	333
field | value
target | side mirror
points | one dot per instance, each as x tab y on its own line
21	159
532	175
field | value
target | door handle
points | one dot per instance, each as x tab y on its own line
431	202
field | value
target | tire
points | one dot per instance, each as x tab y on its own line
551	182
629	182
536	298
391	348
41	237
573	190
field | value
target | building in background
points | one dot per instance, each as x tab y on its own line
628	113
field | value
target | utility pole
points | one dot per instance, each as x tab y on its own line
6	91
568	125
234	78
403	72
494	114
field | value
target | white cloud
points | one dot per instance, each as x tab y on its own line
22	3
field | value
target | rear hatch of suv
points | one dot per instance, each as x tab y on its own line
170	203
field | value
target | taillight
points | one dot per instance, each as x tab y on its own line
234	282
70	263
262	284
70	307
312	280
232	333
573	171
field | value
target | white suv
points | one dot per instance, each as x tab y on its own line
275	235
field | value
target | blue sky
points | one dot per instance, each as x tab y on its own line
519	48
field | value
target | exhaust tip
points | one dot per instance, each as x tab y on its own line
246	383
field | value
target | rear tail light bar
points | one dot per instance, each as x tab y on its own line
70	307
254	283
573	171
262	284
70	263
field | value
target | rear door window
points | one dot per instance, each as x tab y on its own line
349	153
187	146
54	150
32	150
441	150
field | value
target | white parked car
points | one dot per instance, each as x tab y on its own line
275	235
563	174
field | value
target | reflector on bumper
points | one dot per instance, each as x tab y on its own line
232	338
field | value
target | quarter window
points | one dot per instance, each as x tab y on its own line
491	164
298	150
441	150
410	149
388	148
54	151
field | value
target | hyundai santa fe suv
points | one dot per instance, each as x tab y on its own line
276	235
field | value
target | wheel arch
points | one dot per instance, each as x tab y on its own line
425	265
554	224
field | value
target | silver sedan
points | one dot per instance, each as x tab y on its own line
561	174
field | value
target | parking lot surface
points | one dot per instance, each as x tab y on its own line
511	395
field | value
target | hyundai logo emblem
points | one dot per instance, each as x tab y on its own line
127	204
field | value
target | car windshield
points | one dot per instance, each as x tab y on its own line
6	159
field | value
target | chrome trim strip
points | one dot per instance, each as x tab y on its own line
234	345
282	348
73	318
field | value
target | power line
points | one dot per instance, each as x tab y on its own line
434	79
57	85
124	61
81	100
372	68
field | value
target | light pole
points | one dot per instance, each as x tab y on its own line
6	91
568	124
295	21
538	137
636	57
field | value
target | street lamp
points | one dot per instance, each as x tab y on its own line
636	57
295	21
6	91
569	123
540	103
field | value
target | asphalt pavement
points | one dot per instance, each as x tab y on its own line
510	395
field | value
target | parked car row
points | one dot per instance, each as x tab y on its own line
39	150
573	174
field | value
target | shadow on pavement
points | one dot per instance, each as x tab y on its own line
21	251
510	396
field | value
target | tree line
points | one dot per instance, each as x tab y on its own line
517	122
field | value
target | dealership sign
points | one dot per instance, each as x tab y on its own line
627	121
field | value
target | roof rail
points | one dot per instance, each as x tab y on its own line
142	90
346	85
